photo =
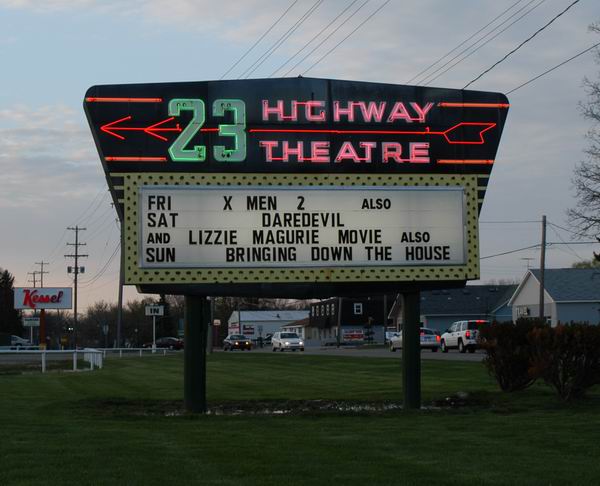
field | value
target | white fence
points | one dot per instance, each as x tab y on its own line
94	357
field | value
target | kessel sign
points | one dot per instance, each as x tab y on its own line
43	298
298	186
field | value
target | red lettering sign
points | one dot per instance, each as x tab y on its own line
33	297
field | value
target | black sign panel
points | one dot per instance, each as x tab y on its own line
294	125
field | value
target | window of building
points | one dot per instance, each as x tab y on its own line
358	309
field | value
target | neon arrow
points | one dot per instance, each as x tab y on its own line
113	127
477	137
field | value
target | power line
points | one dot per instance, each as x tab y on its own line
524	221
101	272
344	39
281	40
553	68
260	39
510	251
327	37
315	37
428	79
521	44
552	243
573	252
463	42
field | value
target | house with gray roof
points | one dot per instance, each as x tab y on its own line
440	308
570	295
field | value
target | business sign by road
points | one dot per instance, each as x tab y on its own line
31	322
296	187
43	298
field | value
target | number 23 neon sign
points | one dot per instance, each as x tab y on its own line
178	150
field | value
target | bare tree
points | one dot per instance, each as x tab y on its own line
585	217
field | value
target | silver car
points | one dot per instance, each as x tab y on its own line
429	340
287	340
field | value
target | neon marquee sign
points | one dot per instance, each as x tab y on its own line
402	129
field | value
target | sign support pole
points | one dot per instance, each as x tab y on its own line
411	350
194	354
154	333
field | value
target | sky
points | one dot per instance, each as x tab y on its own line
51	51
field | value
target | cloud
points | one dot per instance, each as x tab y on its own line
46	153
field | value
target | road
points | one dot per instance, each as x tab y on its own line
380	353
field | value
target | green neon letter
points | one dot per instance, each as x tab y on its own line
236	130
177	150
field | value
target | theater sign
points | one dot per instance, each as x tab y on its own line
303	187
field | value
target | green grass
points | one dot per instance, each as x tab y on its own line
107	427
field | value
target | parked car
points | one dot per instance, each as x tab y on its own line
462	335
166	343
236	341
429	340
19	342
287	340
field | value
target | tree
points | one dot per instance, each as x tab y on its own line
586	214
595	263
10	318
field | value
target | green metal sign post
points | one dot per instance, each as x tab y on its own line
197	314
411	351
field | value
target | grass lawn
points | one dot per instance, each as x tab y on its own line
107	427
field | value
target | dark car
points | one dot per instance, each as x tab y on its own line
236	341
167	343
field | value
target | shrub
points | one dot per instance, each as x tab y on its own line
508	353
566	357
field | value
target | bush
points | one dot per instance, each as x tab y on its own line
508	353
566	357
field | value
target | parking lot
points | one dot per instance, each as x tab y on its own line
379	352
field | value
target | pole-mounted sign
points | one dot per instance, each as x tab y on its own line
298	187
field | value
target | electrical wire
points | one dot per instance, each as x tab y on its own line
81	216
553	68
326	38
315	37
463	42
572	252
269	52
428	79
260	39
345	38
511	251
101	272
550	22
524	221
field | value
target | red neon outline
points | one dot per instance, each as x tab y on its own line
487	126
466	161
110	128
93	99
135	159
445	104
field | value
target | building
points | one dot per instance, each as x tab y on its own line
258	323
440	308
570	295
359	317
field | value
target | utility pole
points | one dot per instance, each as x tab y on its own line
41	272
42	328
33	279
76	270
542	267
